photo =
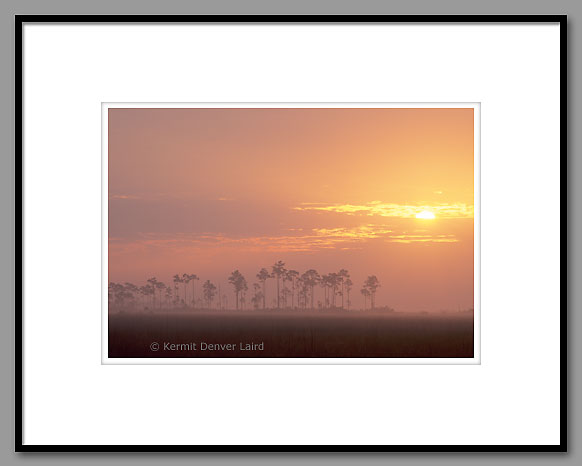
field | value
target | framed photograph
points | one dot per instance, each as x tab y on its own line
312	228
258	221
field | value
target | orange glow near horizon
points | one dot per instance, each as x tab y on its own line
385	192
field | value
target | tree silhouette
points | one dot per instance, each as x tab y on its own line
193	278
239	283
324	282
278	271
244	295
292	276
131	292
303	292
150	291
143	292
348	284
160	286
168	296
334	281
177	280
257	295
110	294
153	283
185	281
176	293
310	279
209	290
286	292
122	297
344	276
262	276
372	284
365	293
118	294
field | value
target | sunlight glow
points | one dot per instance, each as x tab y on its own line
381	209
425	214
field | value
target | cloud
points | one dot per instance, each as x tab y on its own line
295	240
377	208
422	239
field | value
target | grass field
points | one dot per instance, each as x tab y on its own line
285	334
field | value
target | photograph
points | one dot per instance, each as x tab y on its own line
291	232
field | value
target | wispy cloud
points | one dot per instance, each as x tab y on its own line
296	240
359	233
422	239
380	209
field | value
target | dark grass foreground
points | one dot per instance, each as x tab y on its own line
290	335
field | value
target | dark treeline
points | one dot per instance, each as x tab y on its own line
292	290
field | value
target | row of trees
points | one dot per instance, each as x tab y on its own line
293	290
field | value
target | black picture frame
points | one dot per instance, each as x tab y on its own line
20	20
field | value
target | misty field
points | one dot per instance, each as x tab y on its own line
280	334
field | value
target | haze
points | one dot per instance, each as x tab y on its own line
208	191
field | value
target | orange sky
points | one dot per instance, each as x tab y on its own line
207	191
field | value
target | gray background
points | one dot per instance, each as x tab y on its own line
573	8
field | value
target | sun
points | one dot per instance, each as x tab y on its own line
426	215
